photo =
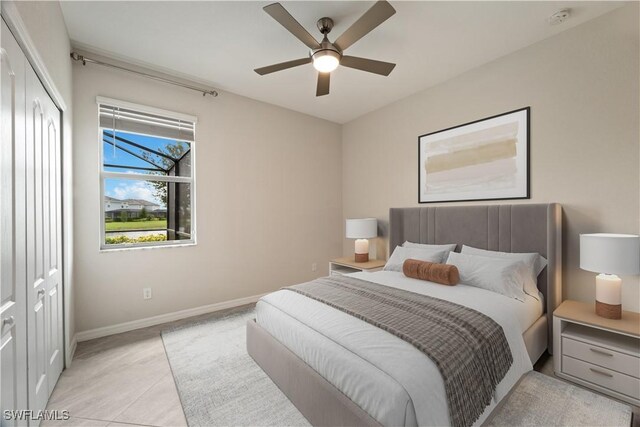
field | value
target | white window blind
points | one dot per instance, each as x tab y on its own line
125	117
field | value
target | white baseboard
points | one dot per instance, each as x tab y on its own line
162	318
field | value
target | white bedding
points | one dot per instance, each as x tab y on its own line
387	377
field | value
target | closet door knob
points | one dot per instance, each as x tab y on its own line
8	321
40	293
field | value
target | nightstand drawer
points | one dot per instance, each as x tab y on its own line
601	356
604	377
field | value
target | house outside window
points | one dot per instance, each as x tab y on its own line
147	176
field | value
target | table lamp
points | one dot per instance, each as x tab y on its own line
610	254
362	229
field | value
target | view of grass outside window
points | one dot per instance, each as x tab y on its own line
146	189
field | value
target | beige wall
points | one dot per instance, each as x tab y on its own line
269	204
47	31
582	86
273	186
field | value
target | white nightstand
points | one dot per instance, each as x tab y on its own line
602	354
346	265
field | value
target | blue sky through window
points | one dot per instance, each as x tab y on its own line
134	189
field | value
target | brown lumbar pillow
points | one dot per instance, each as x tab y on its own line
444	274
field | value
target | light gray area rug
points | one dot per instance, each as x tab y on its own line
220	385
218	382
540	400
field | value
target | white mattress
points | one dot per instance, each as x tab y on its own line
387	377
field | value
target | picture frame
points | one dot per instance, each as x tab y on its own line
487	159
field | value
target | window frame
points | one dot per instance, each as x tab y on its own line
103	175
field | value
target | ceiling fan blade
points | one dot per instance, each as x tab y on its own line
282	66
379	12
280	14
369	65
323	84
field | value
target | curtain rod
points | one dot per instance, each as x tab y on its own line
77	57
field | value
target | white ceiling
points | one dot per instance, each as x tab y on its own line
222	42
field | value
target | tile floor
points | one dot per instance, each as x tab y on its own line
125	380
122	380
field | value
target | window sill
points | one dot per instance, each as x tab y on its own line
129	247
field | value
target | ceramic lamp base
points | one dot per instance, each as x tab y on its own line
362	257
609	296
609	311
362	250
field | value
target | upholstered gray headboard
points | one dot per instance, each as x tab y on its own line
506	228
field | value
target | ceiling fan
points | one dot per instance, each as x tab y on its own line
326	56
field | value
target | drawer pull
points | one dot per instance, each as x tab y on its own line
598	371
604	353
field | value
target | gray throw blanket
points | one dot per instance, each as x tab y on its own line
469	348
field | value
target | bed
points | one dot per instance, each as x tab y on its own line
339	370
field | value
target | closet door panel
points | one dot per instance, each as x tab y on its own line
53	231
43	240
13	306
8	297
36	185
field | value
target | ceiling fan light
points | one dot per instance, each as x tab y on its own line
326	61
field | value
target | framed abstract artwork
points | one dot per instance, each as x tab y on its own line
483	160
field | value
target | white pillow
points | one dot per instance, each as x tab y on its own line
451	247
503	276
534	261
401	254
447	248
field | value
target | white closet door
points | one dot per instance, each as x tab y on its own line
44	292
53	242
13	305
31	341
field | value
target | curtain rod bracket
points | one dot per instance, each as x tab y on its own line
77	57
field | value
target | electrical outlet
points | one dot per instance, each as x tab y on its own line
314	267
146	293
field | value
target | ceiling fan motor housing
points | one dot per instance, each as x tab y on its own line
326	47
327	57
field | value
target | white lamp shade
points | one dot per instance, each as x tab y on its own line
365	228
610	253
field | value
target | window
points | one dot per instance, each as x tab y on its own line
147	177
